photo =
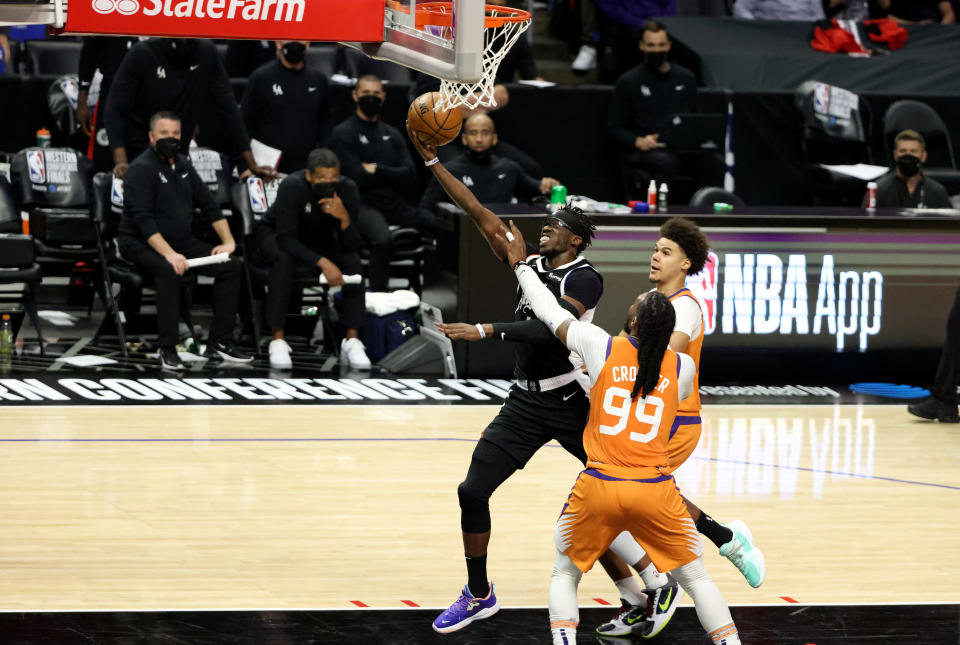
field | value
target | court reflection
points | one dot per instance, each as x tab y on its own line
744	454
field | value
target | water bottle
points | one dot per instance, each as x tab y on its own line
652	196
662	198
6	336
872	196
43	138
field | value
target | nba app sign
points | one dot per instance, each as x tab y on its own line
256	19
760	294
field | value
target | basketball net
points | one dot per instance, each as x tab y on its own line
502	27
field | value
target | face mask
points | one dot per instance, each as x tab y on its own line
178	50
908	165
168	147
324	189
370	105
479	156
294	52
653	60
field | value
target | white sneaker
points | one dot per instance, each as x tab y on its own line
354	354
586	59
279	352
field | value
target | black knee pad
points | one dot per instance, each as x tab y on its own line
474	508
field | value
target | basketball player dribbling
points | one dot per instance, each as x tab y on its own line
637	383
548	400
681	251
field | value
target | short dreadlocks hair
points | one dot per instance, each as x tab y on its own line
690	238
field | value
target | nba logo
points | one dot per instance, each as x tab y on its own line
38	169
116	192
258	199
705	283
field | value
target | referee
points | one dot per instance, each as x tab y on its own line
548	400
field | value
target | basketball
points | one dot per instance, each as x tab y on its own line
434	127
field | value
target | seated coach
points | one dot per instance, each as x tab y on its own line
161	191
310	227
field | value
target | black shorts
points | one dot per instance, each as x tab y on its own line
528	420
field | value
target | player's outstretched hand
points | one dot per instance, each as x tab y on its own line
459	331
427	152
516	246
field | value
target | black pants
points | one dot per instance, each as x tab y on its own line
166	283
525	423
948	371
375	231
280	284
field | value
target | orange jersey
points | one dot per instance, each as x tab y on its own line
691	405
624	432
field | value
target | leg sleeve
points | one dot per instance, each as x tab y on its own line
711	608
564	611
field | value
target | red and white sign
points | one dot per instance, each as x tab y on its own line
316	20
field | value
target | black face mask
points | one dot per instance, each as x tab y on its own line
178	50
370	105
480	156
294	52
167	148
653	60
908	165
324	189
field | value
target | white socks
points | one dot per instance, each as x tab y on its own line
653	579
630	591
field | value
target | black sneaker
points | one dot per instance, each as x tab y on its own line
933	408
170	359
226	352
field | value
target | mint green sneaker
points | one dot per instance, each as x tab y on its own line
744	555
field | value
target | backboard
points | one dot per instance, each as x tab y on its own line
452	53
450	47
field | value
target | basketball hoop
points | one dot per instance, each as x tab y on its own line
502	27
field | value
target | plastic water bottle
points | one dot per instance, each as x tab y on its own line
662	198
652	196
872	196
6	336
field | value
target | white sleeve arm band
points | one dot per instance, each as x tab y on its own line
543	303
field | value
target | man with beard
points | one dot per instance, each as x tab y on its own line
492	178
906	186
374	155
286	105
548	400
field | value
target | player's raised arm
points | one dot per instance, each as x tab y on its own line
489	224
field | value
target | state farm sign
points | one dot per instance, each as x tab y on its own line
354	20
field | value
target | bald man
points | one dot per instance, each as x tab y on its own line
492	178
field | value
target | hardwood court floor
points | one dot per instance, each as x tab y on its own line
304	507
